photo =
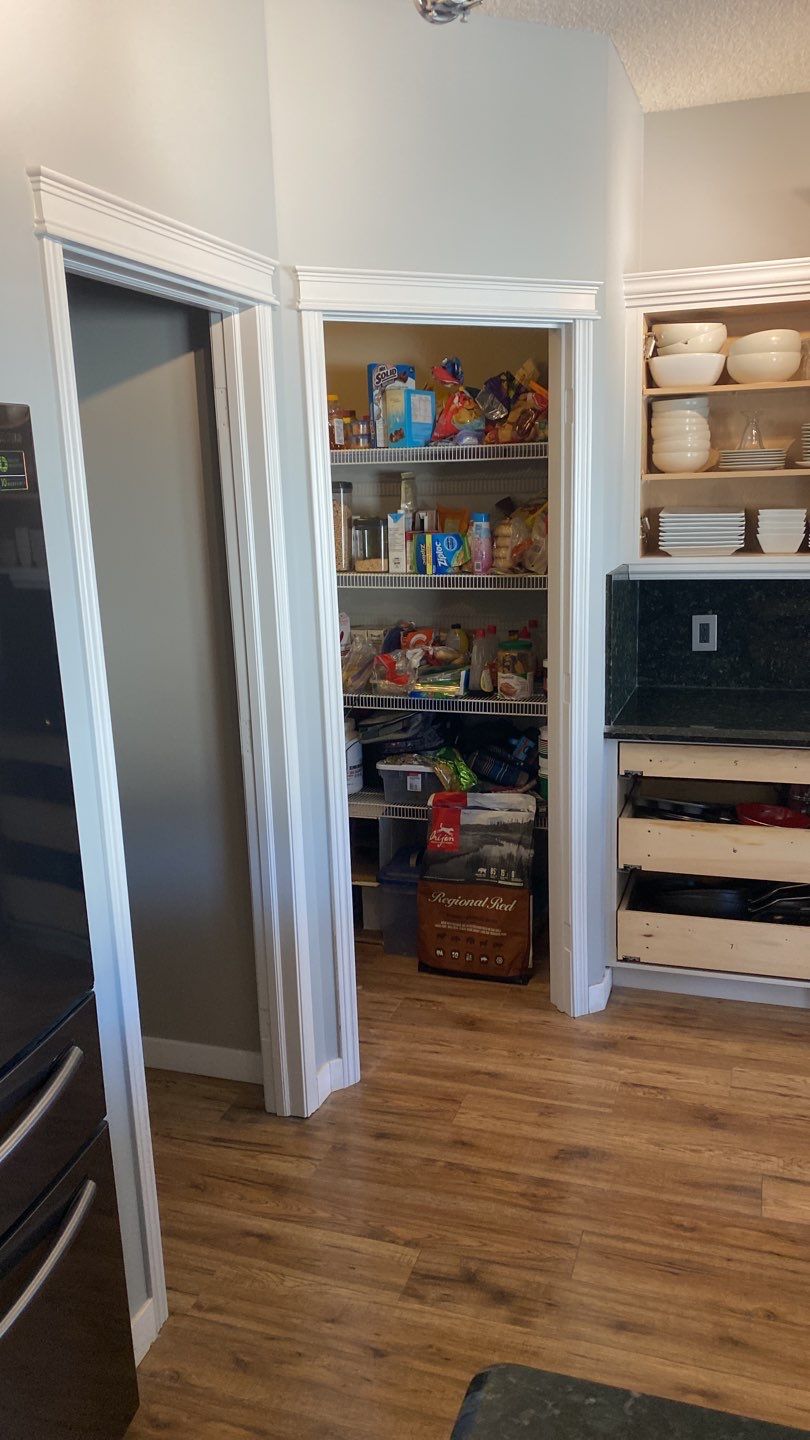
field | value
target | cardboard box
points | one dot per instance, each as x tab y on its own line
473	929
409	416
380	378
399	527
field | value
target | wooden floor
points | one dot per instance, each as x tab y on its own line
625	1197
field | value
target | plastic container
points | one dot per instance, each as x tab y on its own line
359	436
478	659
370	545
342	523
337	428
354	757
481	543
398	888
515	670
408	781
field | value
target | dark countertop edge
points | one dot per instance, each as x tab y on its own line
798	739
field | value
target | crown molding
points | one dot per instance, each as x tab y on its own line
413	296
88	222
756	282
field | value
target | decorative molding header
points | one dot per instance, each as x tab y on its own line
90	222
756	283
412	296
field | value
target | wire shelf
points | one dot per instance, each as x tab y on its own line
462	705
368	804
354	581
440	454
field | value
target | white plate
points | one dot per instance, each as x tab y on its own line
709	550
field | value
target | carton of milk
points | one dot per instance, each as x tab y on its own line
400	523
380	377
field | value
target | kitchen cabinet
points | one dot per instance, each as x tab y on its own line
650	847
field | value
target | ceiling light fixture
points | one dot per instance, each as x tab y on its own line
441	12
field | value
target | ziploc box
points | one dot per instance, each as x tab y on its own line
445	553
409	415
380	378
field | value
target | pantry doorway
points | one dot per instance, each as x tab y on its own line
85	232
566	313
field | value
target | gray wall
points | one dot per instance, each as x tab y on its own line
519	154
143	375
167	105
727	183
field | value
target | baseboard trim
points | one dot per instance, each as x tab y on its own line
144	1330
713	985
599	994
330	1078
214	1060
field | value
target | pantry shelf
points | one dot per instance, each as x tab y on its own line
462	705
441	454
797	474
386	581
371	804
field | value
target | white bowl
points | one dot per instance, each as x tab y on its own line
697	404
709	342
763	340
687	423
684	330
772	365
672	460
687	369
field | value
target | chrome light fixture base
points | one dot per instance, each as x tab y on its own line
441	12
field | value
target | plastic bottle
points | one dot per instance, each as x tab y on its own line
337	429
407	491
354	757
481	544
478	659
489	680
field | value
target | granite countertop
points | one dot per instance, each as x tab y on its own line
515	1402
718	717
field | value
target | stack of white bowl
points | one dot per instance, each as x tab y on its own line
681	435
781	532
765	355
688	353
805	460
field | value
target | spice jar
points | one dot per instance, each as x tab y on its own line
370	545
342	523
337	428
359	437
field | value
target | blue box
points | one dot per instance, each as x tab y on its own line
409	416
380	377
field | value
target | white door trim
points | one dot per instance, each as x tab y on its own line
85	231
328	294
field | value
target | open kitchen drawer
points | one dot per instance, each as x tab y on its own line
686	847
760	764
698	942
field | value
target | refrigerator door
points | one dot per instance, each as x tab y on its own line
66	1364
51	1103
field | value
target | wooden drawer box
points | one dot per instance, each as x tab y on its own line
739	947
682	847
770	766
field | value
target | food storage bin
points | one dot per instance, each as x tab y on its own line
408	781
398	882
342	523
370	545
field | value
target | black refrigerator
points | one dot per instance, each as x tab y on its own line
66	1362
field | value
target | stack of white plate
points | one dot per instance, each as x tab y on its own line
701	531
770	459
681	435
781	532
805	460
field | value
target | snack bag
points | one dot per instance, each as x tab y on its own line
357	665
459	412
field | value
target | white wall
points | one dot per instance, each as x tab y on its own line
495	149
727	183
167	105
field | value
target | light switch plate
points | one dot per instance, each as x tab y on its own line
704	632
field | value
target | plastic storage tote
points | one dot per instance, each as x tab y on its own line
398	882
408	782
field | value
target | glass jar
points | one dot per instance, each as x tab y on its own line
370	545
337	428
342	523
359	437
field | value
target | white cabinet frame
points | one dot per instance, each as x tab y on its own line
570	310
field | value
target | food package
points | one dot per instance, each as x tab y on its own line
481	838
380	377
395	673
477	930
458	412
444	684
357	665
452	769
527	421
453	519
450	373
498	395
409	416
521	541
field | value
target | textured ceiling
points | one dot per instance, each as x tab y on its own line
680	53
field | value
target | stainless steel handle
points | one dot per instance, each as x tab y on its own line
74	1221
61	1078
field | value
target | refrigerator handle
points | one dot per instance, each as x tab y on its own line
61	1078
74	1221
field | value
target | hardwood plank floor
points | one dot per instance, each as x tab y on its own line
625	1197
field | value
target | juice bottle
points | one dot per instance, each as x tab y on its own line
481	543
